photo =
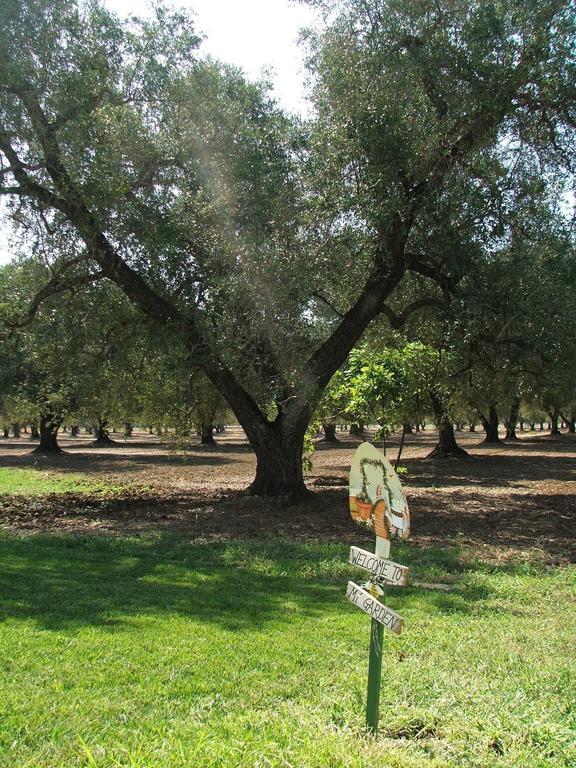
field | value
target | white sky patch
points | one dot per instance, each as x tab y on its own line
256	35
259	36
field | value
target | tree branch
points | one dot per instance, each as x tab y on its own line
445	282
54	286
398	321
329	304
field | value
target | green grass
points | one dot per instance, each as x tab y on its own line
36	482
159	652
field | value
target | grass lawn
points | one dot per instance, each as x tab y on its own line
160	652
34	482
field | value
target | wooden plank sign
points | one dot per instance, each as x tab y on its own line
373	608
392	573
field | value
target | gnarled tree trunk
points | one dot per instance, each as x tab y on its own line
278	446
49	426
102	433
207	434
447	445
490	425
554	416
329	429
357	429
512	420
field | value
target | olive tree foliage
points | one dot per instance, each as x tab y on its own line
75	360
515	315
177	399
185	186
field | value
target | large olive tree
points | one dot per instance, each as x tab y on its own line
184	185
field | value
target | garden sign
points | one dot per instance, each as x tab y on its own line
378	502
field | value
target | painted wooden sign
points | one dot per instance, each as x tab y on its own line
374	608
376	497
392	573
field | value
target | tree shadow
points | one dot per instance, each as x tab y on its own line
106	459
61	582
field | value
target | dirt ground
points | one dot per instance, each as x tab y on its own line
512	500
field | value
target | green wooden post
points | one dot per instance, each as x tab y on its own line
374	676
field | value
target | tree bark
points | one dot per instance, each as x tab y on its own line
34	432
512	420
207	434
102	434
49	426
554	416
490	425
278	446
447	446
329	433
357	429
400	447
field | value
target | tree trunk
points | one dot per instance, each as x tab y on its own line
6	431
102	434
472	427
49	426
491	426
34	433
400	447
207	434
329	433
128	429
554	416
571	423
407	428
16	429
74	430
447	445
357	429
279	446
512	419
279	468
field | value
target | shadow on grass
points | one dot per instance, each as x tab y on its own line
106	460
70	582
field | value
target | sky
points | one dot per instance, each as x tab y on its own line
256	35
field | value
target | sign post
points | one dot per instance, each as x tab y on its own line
378	502
374	676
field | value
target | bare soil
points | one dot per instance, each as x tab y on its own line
505	501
